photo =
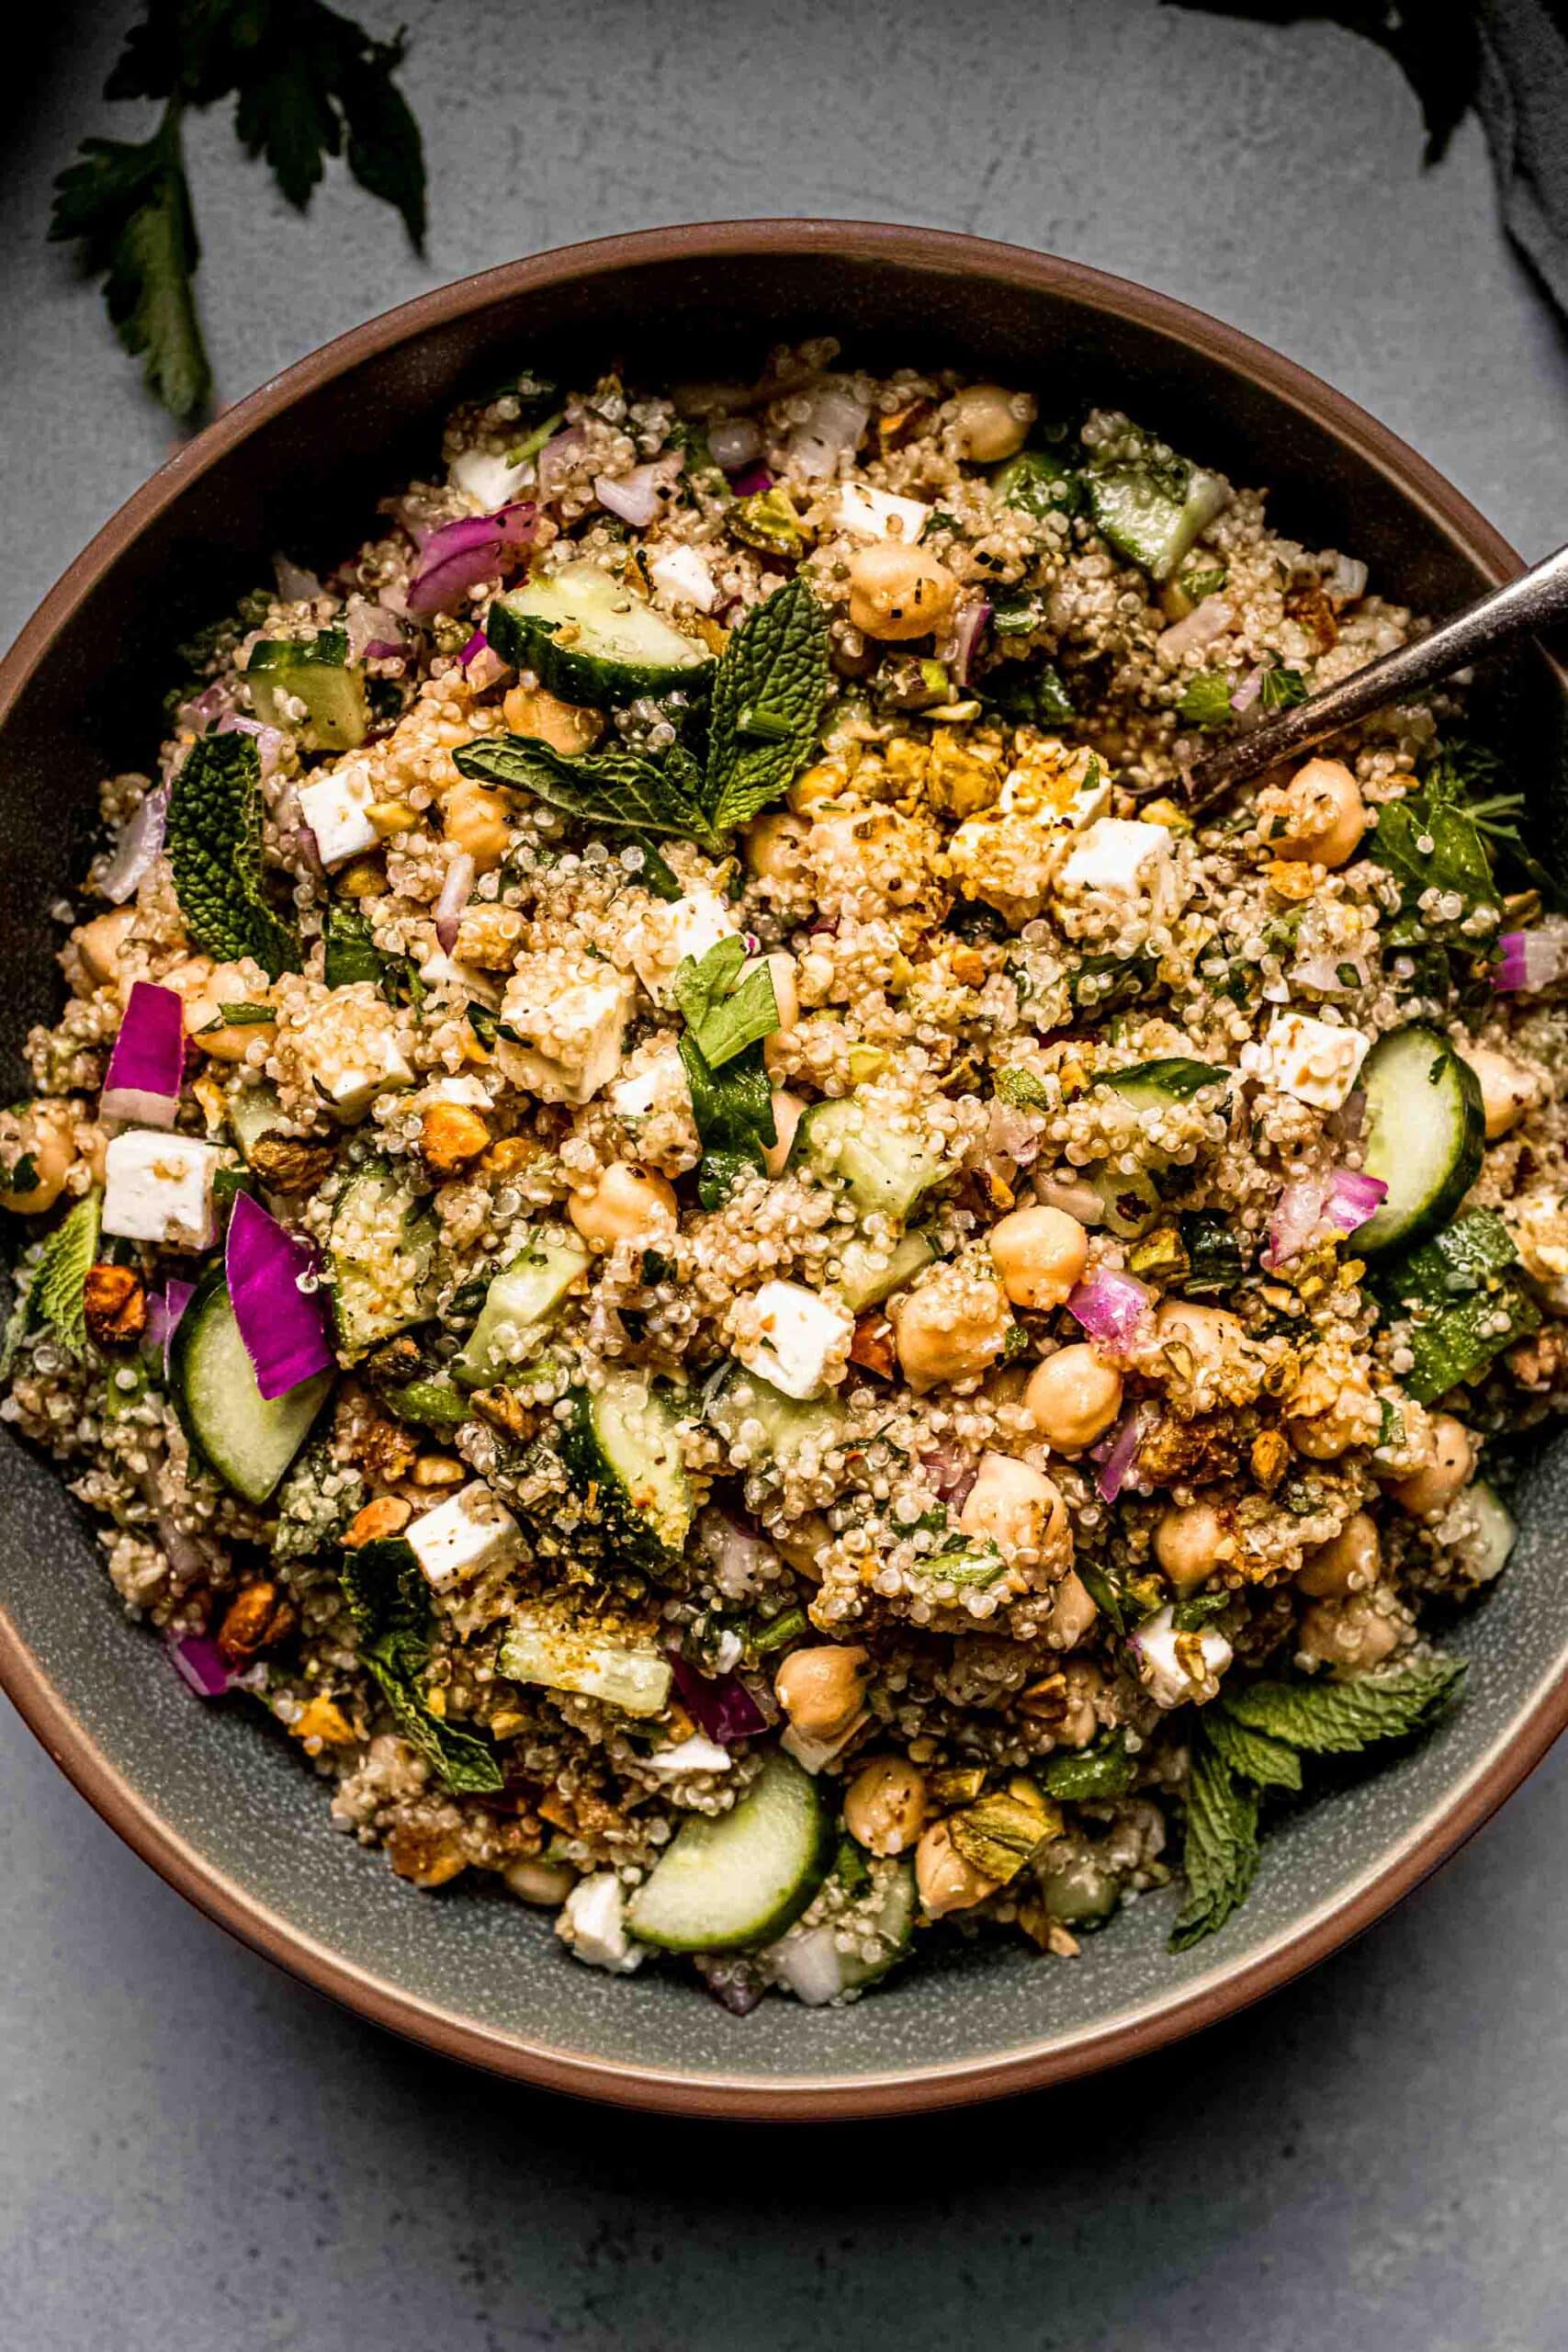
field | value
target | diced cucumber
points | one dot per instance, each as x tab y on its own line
381	1259
789	1428
1080	1892
1037	483
1496	1533
1156	1086
970	1567
542	1647
254	1112
1425	1134
519	1306
817	1972
622	1445
740	1878
315	670
248	1440
884	1167
590	639
867	1276
1152	514
1132	1204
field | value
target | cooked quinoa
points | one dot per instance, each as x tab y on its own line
764	1297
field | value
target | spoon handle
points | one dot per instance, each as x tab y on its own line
1533	601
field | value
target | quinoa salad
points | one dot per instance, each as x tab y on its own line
683	1214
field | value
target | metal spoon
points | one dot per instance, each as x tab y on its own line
1533	601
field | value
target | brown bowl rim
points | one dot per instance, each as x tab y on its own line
1228	1989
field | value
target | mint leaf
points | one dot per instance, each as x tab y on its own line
1282	689
1103	1771
734	1114
1023	1090
1206	701
1268	1763
624	790
128	207
723	1018
1341	1718
61	1275
213	840
1220	1852
390	1608
768	692
350	949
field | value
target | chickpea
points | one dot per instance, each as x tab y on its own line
1072	1398
1014	1506
564	726
98	944
533	1879
897	591
774	846
947	1882
884	1806
1508	1091
991	423
950	1328
1359	1631
628	1204
789	1111
1325	817
1208	1333
1348	1563
42	1134
1072	1612
1039	1253
1189	1543
1431	1489
475	820
822	1690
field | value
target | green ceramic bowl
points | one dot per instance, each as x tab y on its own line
210	1796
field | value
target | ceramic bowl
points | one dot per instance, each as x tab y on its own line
210	1796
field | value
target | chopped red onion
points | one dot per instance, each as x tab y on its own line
635	497
454	898
198	1661
1319	1208
1202	625
558	457
1111	1306
204	710
968	628
734	442
752	482
1529	960
164	1308
283	1326
295	585
1251	686
136	850
373	630
812	1966
1120	1456
738	1557
482	665
268	739
147	1064
950	1473
459	555
719	1704
832	431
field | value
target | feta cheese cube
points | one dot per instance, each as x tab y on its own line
794	1337
469	1533
1175	1667
440	970
1007	853
697	1754
336	808
567	1015
488	479
656	1082
814	1756
159	1188
592	1924
868	513
348	1069
658	941
681	573
1122	857
1317	1061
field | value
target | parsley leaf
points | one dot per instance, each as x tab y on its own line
1206	701
768	692
1282	689
734	1113
1220	1851
60	1277
313	84
351	950
386	1597
214	846
1342	1718
626	790
723	1018
128	207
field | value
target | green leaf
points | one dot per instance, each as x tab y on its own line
725	1018
1467	1303
1430	844
734	1114
466	1763
1268	1763
213	840
127	208
624	790
1341	1718
351	950
768	693
1282	689
1030	693
311	84
390	1609
1103	1771
1023	1090
1206	702
61	1275
1220	1852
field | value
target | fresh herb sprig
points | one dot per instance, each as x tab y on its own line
214	846
387	1602
306	84
721	1052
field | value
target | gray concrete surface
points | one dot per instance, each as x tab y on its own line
194	2153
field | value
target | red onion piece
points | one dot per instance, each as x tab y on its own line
951	1474
832	431
1251	686
558	457
968	628
295	585
136	850
164	1308
482	665
371	628
459	555
454	898
1120	1456
734	442
1319	1208
1529	960
268	739
204	710
634	496
752	482
1111	1306
719	1704
147	1064
283	1326
198	1661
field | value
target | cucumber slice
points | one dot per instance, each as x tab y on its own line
518	1308
254	1112
789	1428
316	671
248	1440
740	1878
590	639
884	1169
622	1445
1152	514
1155	1086
381	1259
867	1276
540	1646
1037	483
1496	1533
817	1972
1425	1136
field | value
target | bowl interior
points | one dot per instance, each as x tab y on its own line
211	1796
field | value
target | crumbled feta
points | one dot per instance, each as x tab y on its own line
1317	1061
592	1923
488	479
350	1068
694	1755
657	942
794	1337
1007	854
567	1015
336	807
867	514
159	1188
814	1756
657	1082
1122	858
441	970
469	1533
1175	1667
681	573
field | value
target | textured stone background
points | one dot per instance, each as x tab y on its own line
193	2151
